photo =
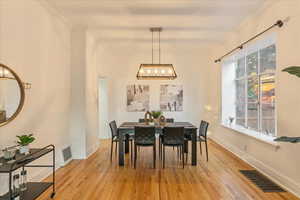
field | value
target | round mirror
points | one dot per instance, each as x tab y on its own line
12	95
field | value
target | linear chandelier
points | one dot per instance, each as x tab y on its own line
156	71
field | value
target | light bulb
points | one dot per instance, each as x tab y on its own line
6	72
141	71
155	71
148	71
170	71
163	71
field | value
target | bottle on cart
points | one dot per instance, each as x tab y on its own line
23	185
16	186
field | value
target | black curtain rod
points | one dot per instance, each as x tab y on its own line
279	23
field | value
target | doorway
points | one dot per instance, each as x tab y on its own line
104	131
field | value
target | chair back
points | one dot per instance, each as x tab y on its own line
144	135
113	128
141	120
170	120
203	129
173	135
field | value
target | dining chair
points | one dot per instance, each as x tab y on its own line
173	137
144	136
141	120
202	137
168	120
115	138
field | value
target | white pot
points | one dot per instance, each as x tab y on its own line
24	149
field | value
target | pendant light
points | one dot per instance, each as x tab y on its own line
156	71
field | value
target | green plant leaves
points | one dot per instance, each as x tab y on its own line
25	139
156	114
294	70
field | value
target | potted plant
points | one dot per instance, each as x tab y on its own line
24	141
156	115
294	70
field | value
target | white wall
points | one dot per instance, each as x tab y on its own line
36	44
84	91
282	164
78	78
91	95
119	62
103	103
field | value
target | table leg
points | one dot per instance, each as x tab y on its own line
127	143
194	147
121	149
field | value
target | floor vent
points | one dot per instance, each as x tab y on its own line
67	155
261	181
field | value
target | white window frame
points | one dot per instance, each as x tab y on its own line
255	47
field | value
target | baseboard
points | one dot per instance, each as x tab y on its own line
41	174
92	149
268	171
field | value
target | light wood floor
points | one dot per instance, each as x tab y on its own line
99	179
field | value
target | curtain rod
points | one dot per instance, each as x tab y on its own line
279	23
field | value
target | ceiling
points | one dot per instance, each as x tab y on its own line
202	21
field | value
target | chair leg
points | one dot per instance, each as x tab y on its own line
154	156
111	149
159	148
200	147
135	155
131	149
164	152
206	150
182	154
116	150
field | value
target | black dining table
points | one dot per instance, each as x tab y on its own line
127	128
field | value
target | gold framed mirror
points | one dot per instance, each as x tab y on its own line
12	95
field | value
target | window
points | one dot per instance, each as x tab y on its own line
248	88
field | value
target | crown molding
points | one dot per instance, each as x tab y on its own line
55	12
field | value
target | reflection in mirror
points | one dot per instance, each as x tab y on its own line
11	96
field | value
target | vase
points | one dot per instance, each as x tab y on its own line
24	149
156	121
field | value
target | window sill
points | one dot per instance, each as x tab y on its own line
253	134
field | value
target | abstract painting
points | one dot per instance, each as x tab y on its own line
138	98
171	98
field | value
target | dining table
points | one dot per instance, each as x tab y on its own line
127	128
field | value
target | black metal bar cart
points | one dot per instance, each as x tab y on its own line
34	189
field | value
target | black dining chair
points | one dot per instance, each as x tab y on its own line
168	120
144	136
173	137
115	138
141	120
202	137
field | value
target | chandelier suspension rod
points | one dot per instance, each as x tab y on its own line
152	47
159	46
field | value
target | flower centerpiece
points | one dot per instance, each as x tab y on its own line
156	115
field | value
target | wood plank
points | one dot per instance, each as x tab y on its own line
219	179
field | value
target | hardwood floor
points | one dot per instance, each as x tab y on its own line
97	178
